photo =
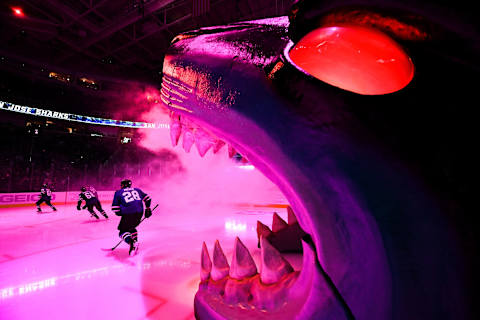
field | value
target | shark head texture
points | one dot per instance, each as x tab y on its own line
360	170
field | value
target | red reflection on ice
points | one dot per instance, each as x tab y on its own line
358	59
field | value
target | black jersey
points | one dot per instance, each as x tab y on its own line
46	192
88	196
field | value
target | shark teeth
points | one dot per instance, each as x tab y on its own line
243	268
218	146
188	139
285	237
274	266
240	285
203	141
205	264
175	128
242	265
203	138
194	134
277	292
220	268
278	223
231	151
263	230
292	219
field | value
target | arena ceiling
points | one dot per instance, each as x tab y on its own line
109	41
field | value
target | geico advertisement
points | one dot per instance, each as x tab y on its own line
57	197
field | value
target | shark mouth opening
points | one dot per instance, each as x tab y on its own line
237	289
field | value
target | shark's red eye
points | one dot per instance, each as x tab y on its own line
354	58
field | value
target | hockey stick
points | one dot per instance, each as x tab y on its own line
152	213
137	226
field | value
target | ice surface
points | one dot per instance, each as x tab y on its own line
52	264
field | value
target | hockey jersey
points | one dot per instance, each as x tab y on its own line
87	195
46	193
93	191
129	200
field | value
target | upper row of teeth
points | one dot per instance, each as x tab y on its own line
193	134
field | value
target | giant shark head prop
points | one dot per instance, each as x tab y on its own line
343	105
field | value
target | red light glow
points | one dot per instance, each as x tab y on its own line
354	58
18	12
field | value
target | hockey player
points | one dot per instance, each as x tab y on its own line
89	195
45	196
128	203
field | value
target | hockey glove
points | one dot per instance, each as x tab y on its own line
84	207
148	213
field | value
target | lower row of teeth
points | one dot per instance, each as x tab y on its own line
240	283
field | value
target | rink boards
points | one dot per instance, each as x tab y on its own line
25	199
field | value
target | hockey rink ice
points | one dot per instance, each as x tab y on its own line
59	265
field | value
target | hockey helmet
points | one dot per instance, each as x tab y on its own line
83	189
126	183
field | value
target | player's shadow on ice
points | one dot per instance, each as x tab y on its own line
120	255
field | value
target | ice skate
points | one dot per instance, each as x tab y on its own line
133	248
105	214
39	210
54	209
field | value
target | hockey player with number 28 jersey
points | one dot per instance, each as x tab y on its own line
128	203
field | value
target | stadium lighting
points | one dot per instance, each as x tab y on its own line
18	12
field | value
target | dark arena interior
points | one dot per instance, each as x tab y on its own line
238	159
